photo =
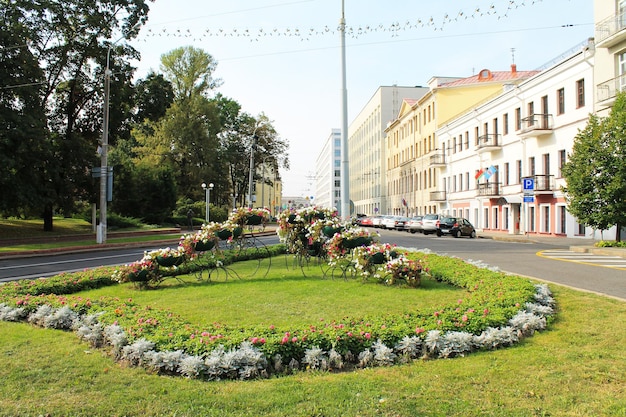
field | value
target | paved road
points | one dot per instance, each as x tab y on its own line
544	261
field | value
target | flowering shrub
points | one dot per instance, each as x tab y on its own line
240	215
340	245
404	269
371	260
304	228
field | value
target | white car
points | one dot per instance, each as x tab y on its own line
430	223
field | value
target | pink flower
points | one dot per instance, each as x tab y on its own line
436	314
285	340
271	327
294	339
485	311
193	336
349	334
205	334
368	336
464	318
254	340
419	330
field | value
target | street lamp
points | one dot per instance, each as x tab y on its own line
102	235
207	190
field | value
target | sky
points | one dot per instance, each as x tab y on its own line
283	58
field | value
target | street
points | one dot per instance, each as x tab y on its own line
520	258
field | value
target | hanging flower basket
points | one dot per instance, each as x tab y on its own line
204	246
168	261
330	231
254	220
377	258
141	275
356	242
226	234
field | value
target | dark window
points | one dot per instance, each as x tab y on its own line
580	93
560	100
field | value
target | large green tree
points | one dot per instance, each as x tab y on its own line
596	171
72	41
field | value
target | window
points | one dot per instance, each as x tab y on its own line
486	219
476	136
337	173
531	219
580	93
466	140
337	152
560	101
562	219
581	229
506	173
531	109
562	160
337	183
467	181
518	118
546	163
531	166
545	214
460	182
454	145
505	124
519	171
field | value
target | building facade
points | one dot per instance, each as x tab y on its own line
328	172
412	151
503	158
366	147
268	190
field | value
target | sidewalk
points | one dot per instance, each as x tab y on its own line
581	245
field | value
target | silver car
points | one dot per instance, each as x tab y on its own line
430	223
414	224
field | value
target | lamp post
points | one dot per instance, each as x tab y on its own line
102	235
207	193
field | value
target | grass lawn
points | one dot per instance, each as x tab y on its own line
575	368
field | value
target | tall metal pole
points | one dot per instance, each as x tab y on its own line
102	236
251	175
345	171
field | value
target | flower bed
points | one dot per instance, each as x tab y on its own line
498	311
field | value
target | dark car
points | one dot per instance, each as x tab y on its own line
455	226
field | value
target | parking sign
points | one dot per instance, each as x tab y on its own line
529	184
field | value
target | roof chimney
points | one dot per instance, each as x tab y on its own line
513	69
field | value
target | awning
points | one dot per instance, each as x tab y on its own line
509	199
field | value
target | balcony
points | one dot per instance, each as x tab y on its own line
544	184
606	91
489	189
437	160
489	142
537	125
610	31
437	196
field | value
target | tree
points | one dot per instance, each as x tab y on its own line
68	39
596	171
190	70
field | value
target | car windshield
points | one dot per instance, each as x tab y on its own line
448	220
431	217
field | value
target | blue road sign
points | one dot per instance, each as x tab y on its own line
529	199
529	184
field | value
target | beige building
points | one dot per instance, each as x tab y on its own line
268	189
610	59
366	144
412	155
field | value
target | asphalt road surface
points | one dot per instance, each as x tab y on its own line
520	258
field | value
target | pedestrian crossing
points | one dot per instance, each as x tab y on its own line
614	262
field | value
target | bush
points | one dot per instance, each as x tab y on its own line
610	244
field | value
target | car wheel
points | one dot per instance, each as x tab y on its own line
412	231
457	233
473	234
439	234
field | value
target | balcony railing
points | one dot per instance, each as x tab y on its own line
544	183
437	196
489	189
607	90
489	142
608	30
437	159
537	125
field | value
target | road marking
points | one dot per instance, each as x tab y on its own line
605	261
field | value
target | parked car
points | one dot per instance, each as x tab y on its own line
455	226
376	220
388	222
400	222
366	221
414	224
429	223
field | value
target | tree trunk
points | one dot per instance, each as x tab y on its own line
618	233
47	218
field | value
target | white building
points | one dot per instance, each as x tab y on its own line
328	172
366	143
518	139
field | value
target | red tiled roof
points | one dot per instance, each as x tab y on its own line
494	77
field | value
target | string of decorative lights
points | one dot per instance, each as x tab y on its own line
394	29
